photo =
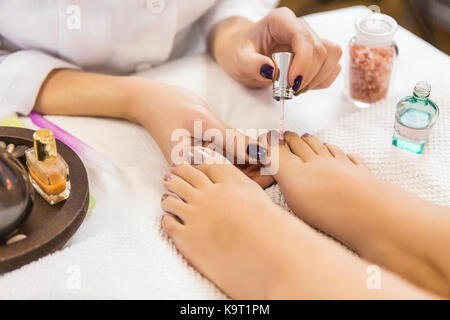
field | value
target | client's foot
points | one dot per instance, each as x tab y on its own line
338	194
228	229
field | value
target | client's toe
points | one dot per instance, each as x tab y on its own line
336	152
179	186
357	160
171	225
318	147
175	206
299	147
217	168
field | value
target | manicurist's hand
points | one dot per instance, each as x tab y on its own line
244	49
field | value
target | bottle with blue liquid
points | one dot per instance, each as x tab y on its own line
414	118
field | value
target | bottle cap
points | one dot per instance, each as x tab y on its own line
375	30
280	84
44	144
422	89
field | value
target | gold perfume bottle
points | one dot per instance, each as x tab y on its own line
49	173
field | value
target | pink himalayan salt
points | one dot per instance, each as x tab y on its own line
370	72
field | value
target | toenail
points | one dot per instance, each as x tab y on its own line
168	177
256	152
164	196
306	135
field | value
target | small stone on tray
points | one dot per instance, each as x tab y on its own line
19	151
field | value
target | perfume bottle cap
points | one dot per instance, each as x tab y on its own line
280	85
44	144
422	89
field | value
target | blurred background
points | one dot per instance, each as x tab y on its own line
428	19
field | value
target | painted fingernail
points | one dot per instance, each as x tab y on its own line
301	91
164	196
168	177
256	152
306	135
266	71
297	83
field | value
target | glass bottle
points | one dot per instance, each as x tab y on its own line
414	118
372	53
49	173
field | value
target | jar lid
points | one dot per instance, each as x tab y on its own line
375	30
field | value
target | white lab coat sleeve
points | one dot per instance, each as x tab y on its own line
253	10
22	74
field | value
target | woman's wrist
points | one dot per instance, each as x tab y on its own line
223	32
78	93
140	99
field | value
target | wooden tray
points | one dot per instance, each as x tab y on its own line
48	227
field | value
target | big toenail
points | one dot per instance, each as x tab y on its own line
164	196
168	177
306	135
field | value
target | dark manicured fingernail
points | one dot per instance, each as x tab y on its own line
164	196
266	71
297	83
168	177
306	135
301	91
256	152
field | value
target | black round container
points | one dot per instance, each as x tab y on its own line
16	194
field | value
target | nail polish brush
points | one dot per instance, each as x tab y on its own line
281	90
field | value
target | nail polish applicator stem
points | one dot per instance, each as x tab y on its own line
281	90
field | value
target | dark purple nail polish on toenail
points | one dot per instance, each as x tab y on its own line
164	196
266	71
168	177
306	135
297	83
256	152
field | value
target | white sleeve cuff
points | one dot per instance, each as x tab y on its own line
22	74
253	10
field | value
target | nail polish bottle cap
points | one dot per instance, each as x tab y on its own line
280	85
44	144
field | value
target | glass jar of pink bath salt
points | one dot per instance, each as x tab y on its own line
372	54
